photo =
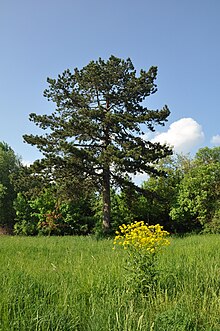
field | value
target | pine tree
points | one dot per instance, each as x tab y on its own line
95	135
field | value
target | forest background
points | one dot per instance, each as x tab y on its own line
186	199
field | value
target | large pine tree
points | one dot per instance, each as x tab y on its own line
95	134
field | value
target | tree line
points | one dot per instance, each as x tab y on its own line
92	145
186	198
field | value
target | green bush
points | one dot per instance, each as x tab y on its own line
46	215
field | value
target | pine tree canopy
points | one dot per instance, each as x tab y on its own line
96	132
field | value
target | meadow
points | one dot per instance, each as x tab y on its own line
80	284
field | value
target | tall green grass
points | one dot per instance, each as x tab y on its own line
78	283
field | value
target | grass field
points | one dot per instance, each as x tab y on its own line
78	283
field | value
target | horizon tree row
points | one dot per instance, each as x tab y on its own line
186	199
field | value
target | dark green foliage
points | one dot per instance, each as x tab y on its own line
154	207
198	198
186	198
183	200
9	167
47	215
29	182
25	224
94	137
79	216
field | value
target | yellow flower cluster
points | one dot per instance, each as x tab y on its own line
138	235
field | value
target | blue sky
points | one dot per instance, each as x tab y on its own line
41	39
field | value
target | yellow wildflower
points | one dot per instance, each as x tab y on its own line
139	235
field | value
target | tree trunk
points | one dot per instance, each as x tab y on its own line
106	209
106	200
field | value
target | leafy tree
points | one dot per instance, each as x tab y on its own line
94	137
198	199
208	155
46	214
9	166
26	223
155	207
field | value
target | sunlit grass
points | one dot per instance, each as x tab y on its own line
78	283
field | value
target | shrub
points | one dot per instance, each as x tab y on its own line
143	243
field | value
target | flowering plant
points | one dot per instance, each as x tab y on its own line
142	242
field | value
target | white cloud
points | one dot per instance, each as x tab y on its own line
183	135
27	163
216	140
